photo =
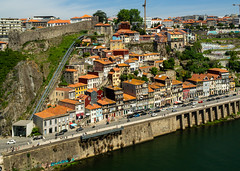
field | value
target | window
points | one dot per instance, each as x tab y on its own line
45	123
55	121
50	122
55	129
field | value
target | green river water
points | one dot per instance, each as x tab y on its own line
207	148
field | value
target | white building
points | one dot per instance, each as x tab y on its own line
54	119
94	112
7	24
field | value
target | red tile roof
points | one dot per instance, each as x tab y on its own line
77	85
92	106
89	76
127	97
53	112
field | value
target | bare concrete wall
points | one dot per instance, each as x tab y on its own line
17	39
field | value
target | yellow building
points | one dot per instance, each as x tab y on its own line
116	44
79	88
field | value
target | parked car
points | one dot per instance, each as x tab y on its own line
128	120
193	106
234	94
156	111
174	110
136	115
200	101
64	130
154	114
79	129
143	113
59	133
11	142
163	109
194	103
38	137
184	105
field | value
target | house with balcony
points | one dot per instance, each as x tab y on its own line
103	65
77	105
124	68
175	39
114	76
108	108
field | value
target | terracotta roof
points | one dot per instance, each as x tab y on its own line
103	62
92	106
77	85
58	21
94	57
89	76
1	42
123	65
175	82
106	101
127	97
91	90
161	61
150	90
187	84
70	70
156	85
114	87
145	67
82	97
116	69
69	101
75	18
33	21
134	82
53	112
63	89
101	24
160	77
218	69
86	16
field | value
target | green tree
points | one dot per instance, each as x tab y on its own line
123	77
154	71
169	64
144	78
132	15
136	72
102	16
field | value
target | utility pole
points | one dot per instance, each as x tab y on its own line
238	6
145	17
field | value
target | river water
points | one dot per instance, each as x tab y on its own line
207	148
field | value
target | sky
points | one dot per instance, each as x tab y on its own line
66	9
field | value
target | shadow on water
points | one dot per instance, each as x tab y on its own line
214	147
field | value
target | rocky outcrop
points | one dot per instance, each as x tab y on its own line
21	85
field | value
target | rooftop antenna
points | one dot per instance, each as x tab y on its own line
145	18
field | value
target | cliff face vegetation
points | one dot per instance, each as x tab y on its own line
25	80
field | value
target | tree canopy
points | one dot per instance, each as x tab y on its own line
132	15
102	16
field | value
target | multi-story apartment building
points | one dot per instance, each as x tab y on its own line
124	68
138	89
60	94
54	119
94	113
108	108
129	104
70	76
76	105
116	94
8	24
116	44
114	76
79	88
91	80
103	65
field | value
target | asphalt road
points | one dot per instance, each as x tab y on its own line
72	132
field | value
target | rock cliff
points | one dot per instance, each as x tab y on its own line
21	85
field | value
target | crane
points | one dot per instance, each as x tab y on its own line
238	6
145	18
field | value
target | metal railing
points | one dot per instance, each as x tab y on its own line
55	77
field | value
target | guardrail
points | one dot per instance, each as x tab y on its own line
55	77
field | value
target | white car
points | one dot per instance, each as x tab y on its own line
193	106
154	114
11	142
163	109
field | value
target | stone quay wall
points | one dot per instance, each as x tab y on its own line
77	148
